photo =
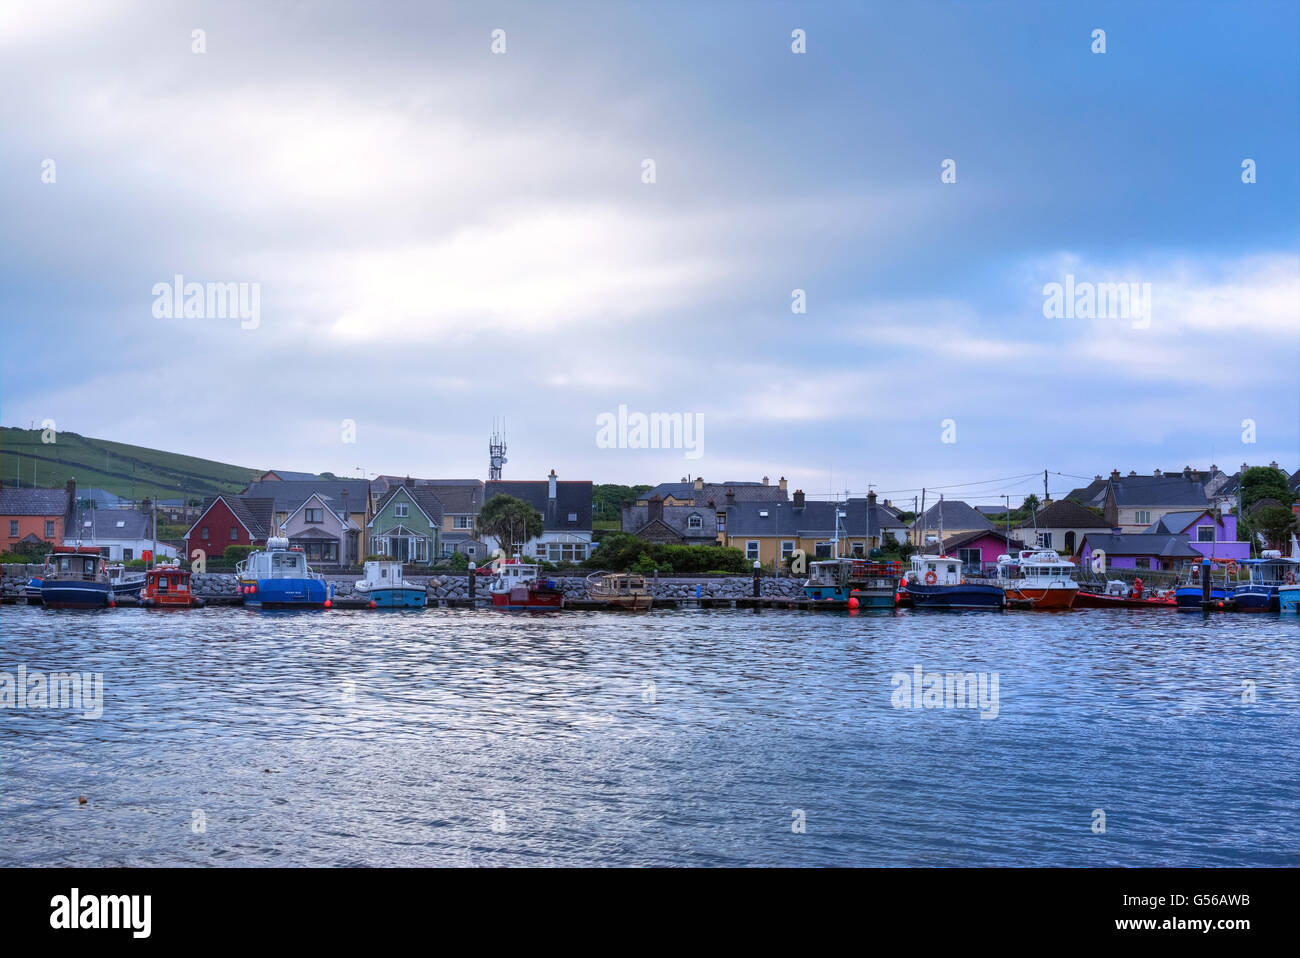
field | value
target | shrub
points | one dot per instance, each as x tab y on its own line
234	554
622	552
458	561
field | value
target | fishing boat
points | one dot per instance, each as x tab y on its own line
124	583
1190	593
874	585
32	590
386	589
76	577
620	590
1118	594
1268	575
517	585
279	577
168	587
1288	595
1038	578
935	582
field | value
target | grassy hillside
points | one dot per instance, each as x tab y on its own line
130	471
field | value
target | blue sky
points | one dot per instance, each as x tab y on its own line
443	235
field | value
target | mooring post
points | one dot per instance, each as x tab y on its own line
472	583
756	567
1205	583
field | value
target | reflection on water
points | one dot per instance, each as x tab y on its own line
454	737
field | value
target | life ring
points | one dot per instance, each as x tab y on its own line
931	578
1232	566
1290	578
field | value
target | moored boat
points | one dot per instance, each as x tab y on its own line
279	577
621	590
386	589
168	587
1268	575
1038	578
1190	595
1119	595
517	585
935	582
76	577
874	585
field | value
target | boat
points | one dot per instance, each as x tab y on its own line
1037	579
123	582
1189	595
386	589
935	582
1268	574
279	577
1288	595
76	577
168	587
517	585
1118	594
620	590
874	585
33	590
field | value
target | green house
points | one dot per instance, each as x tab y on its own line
407	525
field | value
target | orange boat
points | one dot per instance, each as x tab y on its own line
1039	577
168	587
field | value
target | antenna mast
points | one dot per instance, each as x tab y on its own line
496	449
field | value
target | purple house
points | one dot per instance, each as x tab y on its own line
1214	536
1140	550
980	549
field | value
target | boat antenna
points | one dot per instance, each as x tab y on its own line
941	549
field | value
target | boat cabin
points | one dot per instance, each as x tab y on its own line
165	580
935	570
1039	568
512	573
276	561
382	573
75	562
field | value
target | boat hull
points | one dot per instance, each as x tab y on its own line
398	597
965	596
1289	598
1093	600
1188	597
285	593
1044	599
544	600
76	595
1257	598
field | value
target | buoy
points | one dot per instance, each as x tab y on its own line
374	604
112	605
328	603
81	800
853	602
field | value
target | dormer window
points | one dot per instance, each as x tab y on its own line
121	524
573	517
695	522
763	513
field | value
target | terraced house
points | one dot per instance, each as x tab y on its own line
408	524
33	516
771	532
565	508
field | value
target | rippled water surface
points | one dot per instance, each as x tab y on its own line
450	737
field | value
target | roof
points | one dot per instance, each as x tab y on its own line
1174	522
102	498
814	518
952	543
101	524
717	491
326	502
33	502
458	496
424	498
287	476
1063	514
1159	491
572	497
956	515
289	494
255	514
676	518
1164	545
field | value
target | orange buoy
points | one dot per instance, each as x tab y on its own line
853	602
328	604
374	604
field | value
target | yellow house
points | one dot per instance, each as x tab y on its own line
773	532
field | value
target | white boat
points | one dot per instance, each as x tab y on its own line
386	589
1039	577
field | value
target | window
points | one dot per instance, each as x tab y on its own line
787	548
1142	516
128	555
49	528
1143	564
751	549
1069	542
573	517
234	533
822	550
1205	533
858	549
401	510
462	522
314	515
565	551
121	523
13	527
971	559
694	522
1044	540
471	551
722	522
203	533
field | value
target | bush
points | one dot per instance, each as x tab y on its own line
623	552
235	554
458	562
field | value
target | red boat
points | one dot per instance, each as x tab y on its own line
517	585
1119	596
168	587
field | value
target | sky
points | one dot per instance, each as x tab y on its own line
439	235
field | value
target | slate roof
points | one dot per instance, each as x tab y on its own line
1164	545
1175	522
287	476
953	543
1159	491
102	498
571	496
676	518
956	515
33	502
423	497
815	518
1063	514
458	496
717	491
104	525
289	494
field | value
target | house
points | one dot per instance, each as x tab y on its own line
1061	525
979	550
1209	533
772	532
323	530
1163	551
230	521
951	516
121	534
697	492
566	515
42	513
1133	502
671	525
407	524
461	501
348	496
102	499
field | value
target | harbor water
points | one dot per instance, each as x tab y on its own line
229	736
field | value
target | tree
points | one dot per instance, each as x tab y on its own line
512	522
1263	482
1030	505
1276	523
607	500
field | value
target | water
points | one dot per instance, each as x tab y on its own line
452	737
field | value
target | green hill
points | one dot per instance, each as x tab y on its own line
130	471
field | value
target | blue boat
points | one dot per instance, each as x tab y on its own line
386	589
873	584
1187	597
278	577
1268	575
77	577
935	582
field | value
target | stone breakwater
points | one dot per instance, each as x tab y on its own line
452	586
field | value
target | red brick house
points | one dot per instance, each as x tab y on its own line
229	521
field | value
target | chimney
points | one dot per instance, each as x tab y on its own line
731	497
71	505
798	498
550	487
1114	475
656	509
1132	473
699	484
780	483
765	480
684	479
1156	473
1273	464
408	482
1187	472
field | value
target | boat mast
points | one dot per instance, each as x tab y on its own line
941	549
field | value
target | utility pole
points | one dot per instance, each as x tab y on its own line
1045	496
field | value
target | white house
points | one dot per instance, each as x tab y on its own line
120	534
